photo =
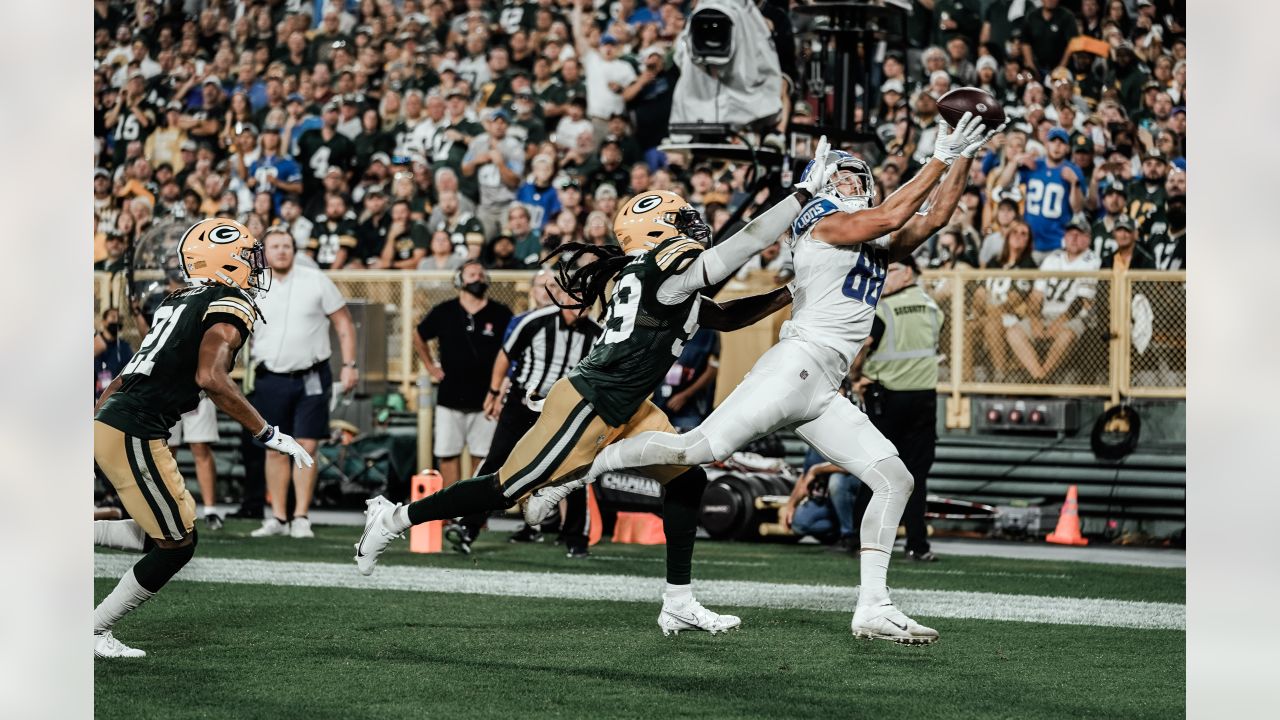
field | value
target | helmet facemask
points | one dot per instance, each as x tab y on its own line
689	223
259	272
852	184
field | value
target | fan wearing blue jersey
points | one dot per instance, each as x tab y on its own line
842	243
1053	192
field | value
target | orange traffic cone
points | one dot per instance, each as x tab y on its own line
426	538
1068	530
593	516
640	528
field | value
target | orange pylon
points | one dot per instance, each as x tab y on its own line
426	538
1068	530
640	528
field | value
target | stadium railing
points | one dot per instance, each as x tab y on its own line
1133	342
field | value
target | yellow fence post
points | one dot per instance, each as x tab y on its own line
406	339
958	415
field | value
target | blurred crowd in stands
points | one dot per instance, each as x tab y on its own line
420	133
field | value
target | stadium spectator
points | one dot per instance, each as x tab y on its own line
528	241
1000	302
441	255
1046	34
333	237
497	162
114	244
469	332
406	240
110	351
687	393
292	376
1058	308
1053	191
1128	254
465	231
607	75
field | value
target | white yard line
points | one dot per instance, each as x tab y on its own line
628	588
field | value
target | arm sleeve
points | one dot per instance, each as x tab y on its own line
716	264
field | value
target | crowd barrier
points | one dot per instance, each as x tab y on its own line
1130	338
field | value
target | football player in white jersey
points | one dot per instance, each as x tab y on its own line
842	244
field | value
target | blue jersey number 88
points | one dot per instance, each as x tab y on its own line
865	281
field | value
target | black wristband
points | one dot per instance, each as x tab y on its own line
266	434
351	365
805	195
494	392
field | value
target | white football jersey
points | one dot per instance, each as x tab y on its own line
1061	291
836	287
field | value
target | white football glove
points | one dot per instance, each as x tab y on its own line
972	149
280	442
815	175
951	142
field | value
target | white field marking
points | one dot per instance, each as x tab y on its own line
970	573
696	562
630	588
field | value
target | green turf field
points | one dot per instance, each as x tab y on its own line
297	639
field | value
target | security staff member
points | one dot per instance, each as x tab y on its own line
541	347
897	375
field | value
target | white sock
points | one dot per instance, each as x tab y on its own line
118	534
874	565
677	594
398	521
126	597
209	510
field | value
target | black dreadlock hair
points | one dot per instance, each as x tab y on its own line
586	285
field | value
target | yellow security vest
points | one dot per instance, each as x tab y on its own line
907	356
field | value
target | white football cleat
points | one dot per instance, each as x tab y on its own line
376	536
105	645
301	528
690	615
544	501
270	526
886	622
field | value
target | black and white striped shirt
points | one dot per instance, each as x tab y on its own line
543	348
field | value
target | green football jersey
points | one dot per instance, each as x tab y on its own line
159	383
642	337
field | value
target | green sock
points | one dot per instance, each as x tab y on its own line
480	494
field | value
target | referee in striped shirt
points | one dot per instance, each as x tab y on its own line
541	347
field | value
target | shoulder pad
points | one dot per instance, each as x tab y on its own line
666	255
810	214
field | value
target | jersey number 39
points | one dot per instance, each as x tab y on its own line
865	281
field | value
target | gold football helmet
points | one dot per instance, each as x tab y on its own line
224	251
651	218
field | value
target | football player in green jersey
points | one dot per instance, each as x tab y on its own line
655	308
191	347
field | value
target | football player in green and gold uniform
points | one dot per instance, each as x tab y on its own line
191	346
655	308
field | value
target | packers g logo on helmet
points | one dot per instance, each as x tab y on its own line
225	252
655	217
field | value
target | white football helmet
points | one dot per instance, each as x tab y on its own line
852	185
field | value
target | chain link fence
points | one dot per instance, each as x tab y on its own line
1156	329
1004	332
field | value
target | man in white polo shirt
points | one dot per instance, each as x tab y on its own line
293	384
607	74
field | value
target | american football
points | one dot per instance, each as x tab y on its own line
956	103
